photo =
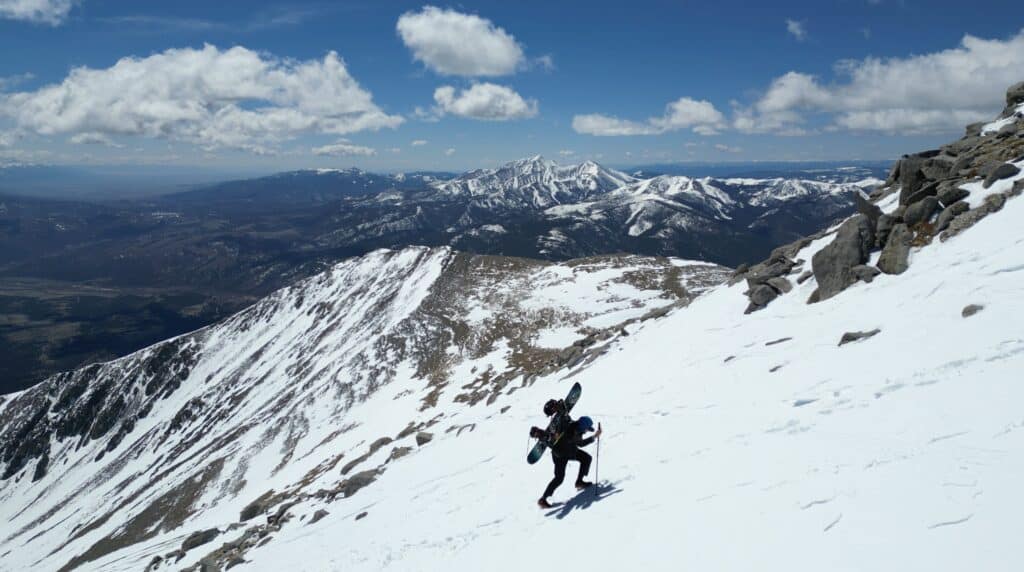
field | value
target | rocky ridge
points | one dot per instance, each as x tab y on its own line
933	194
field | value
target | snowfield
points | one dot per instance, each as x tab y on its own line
903	451
732	442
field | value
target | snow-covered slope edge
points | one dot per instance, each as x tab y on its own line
307	395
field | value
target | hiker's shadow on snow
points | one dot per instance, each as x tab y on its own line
584	499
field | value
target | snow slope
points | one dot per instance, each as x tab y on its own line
732	442
332	377
728	449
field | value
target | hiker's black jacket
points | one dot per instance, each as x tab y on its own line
564	438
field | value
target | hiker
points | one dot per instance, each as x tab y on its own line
565	440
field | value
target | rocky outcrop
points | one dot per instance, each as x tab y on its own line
931	203
1004	171
897	251
833	265
199	538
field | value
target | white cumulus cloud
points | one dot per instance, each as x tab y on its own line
214	98
344	148
485	101
449	151
929	93
453	43
52	12
684	113
419	142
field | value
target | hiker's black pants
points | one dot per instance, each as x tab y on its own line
560	462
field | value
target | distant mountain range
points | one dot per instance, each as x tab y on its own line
87	281
536	208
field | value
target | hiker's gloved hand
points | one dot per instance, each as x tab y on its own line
536	432
598	434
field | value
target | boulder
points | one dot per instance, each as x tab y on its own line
867	208
949	213
319	514
911	177
782	285
894	173
974	129
422	438
865	273
762	295
1003	171
832	265
895	255
921	211
761	273
199	538
950	194
857	336
804	277
885	224
929	189
994	203
971	309
938	167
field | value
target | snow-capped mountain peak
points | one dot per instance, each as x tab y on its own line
535	182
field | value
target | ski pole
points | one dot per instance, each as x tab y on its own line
597	465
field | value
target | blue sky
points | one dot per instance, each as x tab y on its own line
257	85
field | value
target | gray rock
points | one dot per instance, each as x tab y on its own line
199	538
963	222
761	273
974	129
1017	190
885	224
781	284
895	255
994	203
319	514
929	189
361	515
867	208
763	294
949	213
787	252
857	336
921	211
422	438
951	193
804	277
865	273
1015	94
1001	172
938	167
832	265
911	177
894	172
971	309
